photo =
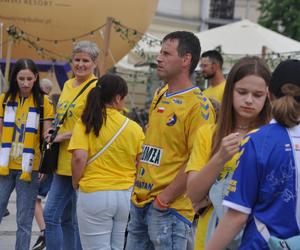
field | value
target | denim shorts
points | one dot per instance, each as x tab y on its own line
45	186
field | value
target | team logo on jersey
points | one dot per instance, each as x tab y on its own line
151	155
177	101
172	120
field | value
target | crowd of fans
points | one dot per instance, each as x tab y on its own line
217	169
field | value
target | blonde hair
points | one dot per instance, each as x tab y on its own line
286	109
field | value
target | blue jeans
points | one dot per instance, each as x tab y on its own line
25	201
150	228
45	186
60	216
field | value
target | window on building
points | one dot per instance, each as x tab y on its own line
220	12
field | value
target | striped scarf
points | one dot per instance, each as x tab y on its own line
10	148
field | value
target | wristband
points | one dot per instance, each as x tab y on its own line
161	204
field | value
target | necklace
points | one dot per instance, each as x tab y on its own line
242	127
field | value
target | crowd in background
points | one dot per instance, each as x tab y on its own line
212	169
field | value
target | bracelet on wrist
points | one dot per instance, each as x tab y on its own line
161	204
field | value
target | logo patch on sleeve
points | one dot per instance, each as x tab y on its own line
151	155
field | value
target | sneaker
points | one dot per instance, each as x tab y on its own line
7	213
40	243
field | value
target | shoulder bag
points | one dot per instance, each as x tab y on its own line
50	150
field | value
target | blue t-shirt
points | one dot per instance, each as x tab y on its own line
264	186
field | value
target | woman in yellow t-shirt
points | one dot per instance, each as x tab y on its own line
105	181
60	209
245	106
20	134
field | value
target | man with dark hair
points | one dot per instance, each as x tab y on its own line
161	214
211	66
187	44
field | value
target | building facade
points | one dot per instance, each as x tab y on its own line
199	15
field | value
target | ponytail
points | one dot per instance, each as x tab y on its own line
94	113
286	111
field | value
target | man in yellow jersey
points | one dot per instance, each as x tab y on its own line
211	67
161	214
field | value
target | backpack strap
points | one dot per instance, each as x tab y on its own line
60	123
79	94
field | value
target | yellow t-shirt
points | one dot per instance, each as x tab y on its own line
67	95
15	161
215	92
168	143
199	157
160	91
115	168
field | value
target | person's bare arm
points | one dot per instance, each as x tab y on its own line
47	125
78	163
231	224
59	137
63	136
199	182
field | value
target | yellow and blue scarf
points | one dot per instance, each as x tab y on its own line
31	132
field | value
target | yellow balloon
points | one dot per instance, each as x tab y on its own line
52	26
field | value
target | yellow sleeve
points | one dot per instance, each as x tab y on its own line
48	108
201	148
202	113
1	107
79	139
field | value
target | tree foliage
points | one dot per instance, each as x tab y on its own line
282	16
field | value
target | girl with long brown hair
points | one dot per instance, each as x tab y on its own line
244	107
264	191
